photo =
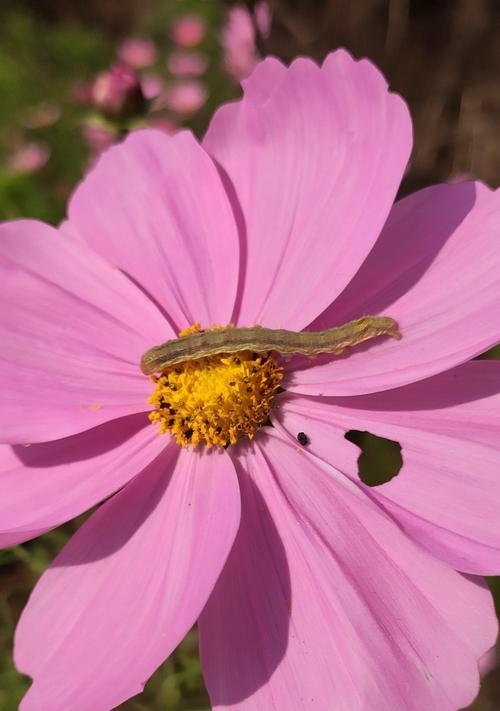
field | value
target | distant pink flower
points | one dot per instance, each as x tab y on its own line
182	63
488	662
117	92
138	52
164	124
188	30
42	116
310	589
29	157
152	85
185	97
238	38
98	137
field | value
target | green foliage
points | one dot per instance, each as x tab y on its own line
42	64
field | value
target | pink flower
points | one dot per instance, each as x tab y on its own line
188	30
164	124
29	157
182	63
117	92
98	137
185	97
488	662
137	52
310	589
152	85
42	116
238	38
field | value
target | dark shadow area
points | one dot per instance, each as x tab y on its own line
380	459
116	521
82	446
465	383
241	229
117	16
251	602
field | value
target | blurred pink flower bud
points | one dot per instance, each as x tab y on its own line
137	52
41	116
117	92
97	137
152	85
238	38
263	17
29	158
188	30
182	63
488	662
165	125
185	97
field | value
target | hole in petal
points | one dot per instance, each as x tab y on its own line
380	459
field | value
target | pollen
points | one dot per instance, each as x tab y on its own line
215	400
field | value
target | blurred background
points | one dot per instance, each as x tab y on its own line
76	76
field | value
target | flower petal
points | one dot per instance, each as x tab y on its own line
435	269
360	620
73	330
129	585
315	169
155	207
262	82
447	494
46	484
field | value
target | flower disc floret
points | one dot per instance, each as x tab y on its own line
216	399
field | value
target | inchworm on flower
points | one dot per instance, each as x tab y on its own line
261	340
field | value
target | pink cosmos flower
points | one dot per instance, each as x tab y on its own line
137	52
97	136
311	590
185	97
117	91
29	157
238	38
152	85
188	30
41	116
182	63
163	123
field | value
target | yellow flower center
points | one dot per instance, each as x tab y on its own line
215	399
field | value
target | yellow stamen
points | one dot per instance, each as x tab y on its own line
216	399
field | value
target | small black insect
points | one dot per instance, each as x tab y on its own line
302	438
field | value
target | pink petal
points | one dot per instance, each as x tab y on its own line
44	485
12	539
129	585
73	330
264	79
324	603
447	495
315	169
435	269
156	208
